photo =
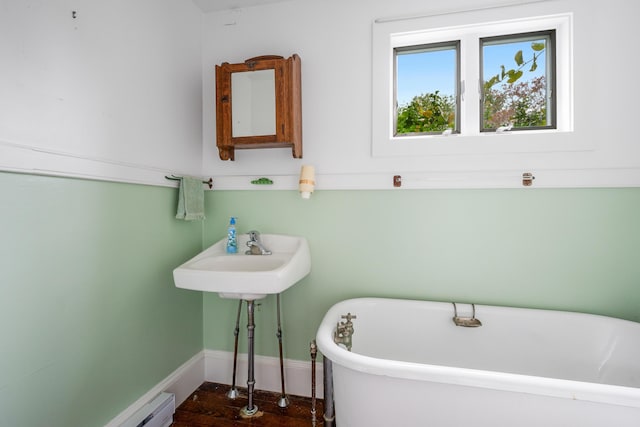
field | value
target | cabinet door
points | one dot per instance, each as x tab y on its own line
258	105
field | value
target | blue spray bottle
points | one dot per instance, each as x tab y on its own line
232	241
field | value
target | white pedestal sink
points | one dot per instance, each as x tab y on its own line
248	277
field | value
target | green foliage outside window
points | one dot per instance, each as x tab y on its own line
429	112
522	104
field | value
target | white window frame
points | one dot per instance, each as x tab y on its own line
390	35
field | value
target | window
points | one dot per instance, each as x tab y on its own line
517	75
426	82
436	85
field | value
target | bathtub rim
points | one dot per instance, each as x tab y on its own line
504	381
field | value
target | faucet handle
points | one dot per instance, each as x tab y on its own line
348	316
254	235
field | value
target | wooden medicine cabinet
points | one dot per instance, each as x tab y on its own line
259	105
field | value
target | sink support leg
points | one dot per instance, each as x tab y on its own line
234	393
250	410
283	402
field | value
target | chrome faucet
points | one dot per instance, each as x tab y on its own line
255	246
344	331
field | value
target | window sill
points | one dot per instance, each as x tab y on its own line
534	141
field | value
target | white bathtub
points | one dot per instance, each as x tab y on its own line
410	365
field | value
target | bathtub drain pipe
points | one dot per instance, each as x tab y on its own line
329	412
313	349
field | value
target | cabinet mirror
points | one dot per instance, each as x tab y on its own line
258	105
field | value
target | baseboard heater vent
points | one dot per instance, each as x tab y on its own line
157	413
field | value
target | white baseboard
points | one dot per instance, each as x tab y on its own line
297	373
181	382
217	366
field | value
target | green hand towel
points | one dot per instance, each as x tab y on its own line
190	199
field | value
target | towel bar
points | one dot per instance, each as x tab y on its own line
178	178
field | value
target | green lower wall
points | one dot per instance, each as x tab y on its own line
90	319
565	249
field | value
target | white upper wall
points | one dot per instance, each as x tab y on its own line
126	91
114	93
215	5
334	41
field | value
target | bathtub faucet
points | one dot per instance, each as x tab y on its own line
344	331
255	246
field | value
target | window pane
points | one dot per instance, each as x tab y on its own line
426	89
517	72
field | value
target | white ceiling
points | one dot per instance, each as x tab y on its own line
216	5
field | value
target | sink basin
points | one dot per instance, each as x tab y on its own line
247	277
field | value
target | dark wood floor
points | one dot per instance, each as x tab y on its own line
209	406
